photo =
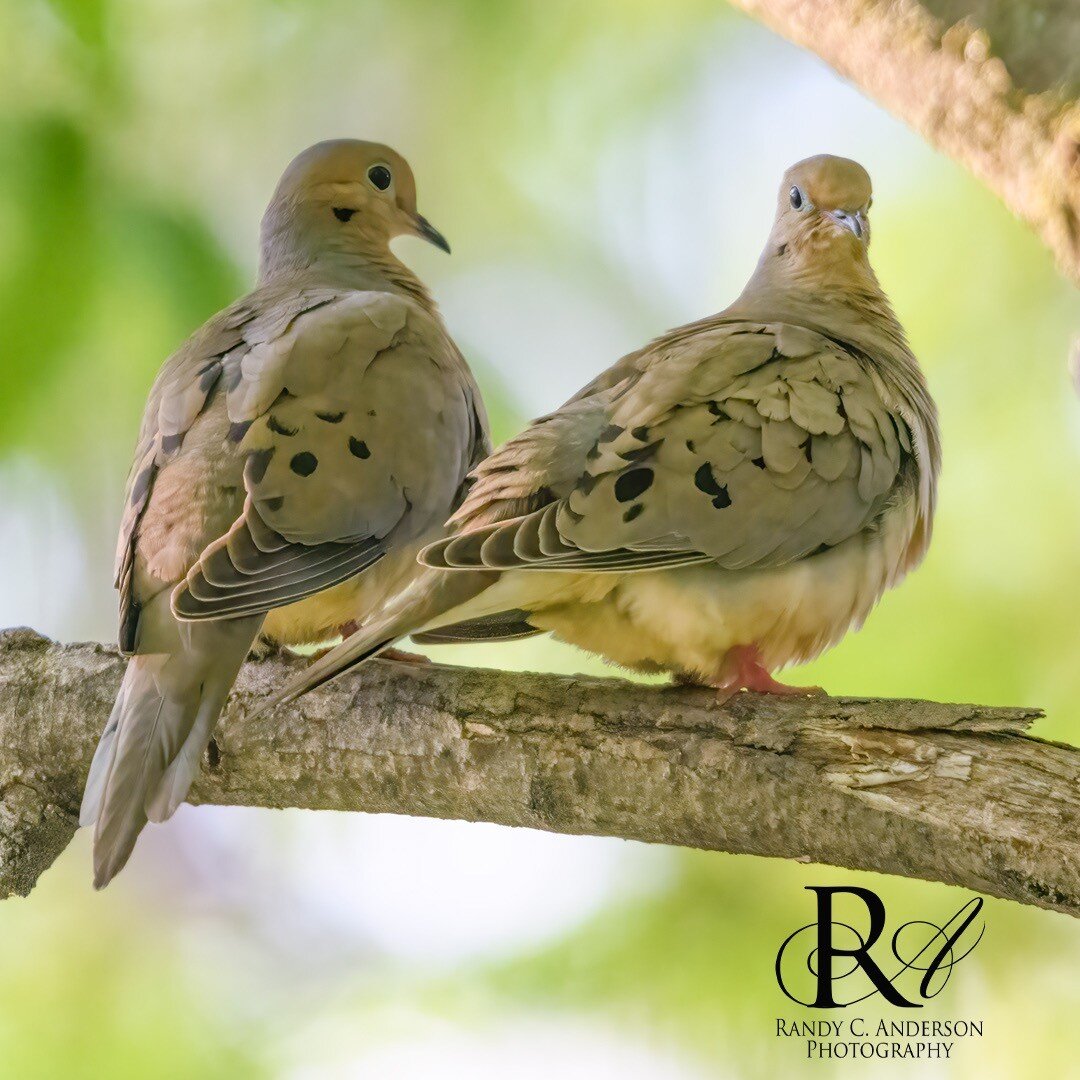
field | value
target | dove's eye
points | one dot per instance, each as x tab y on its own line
343	213
797	199
380	176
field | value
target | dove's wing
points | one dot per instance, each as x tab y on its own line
747	445
359	425
183	391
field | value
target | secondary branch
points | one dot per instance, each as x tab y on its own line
993	83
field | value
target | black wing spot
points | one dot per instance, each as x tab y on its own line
612	431
233	376
304	463
171	443
209	376
586	484
274	504
358	448
642	453
633	483
641	433
690	446
238	430
256	465
706	482
635	511
758	461
331	417
278	428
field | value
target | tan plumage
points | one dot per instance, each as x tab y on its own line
295	455
728	500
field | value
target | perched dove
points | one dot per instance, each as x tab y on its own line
295	455
728	500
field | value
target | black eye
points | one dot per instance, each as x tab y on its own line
343	213
796	197
380	176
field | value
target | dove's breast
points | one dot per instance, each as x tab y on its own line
687	619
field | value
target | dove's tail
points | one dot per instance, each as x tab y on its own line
153	743
427	601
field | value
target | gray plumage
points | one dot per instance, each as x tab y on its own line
728	500
312	434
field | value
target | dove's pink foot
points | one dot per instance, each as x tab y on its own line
742	669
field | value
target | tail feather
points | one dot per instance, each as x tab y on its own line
152	745
94	793
354	650
431	595
510	625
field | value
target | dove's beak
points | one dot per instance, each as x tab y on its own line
426	231
854	223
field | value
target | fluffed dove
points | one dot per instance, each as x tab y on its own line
295	455
728	500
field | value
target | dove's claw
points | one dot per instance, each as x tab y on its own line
742	669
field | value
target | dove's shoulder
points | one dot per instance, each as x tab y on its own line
284	340
545	461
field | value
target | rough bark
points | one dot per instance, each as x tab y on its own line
953	793
993	83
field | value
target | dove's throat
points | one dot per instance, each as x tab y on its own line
840	297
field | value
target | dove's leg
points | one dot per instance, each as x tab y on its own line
742	669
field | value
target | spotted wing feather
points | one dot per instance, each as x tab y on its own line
337	468
751	446
186	384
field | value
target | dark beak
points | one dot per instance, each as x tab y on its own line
428	232
854	223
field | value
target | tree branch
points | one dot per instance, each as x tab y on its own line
993	83
953	793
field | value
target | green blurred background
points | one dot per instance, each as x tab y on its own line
604	171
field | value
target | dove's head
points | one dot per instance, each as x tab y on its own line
342	198
822	214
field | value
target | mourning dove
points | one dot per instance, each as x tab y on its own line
296	453
728	500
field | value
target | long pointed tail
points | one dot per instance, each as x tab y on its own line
432	595
153	743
